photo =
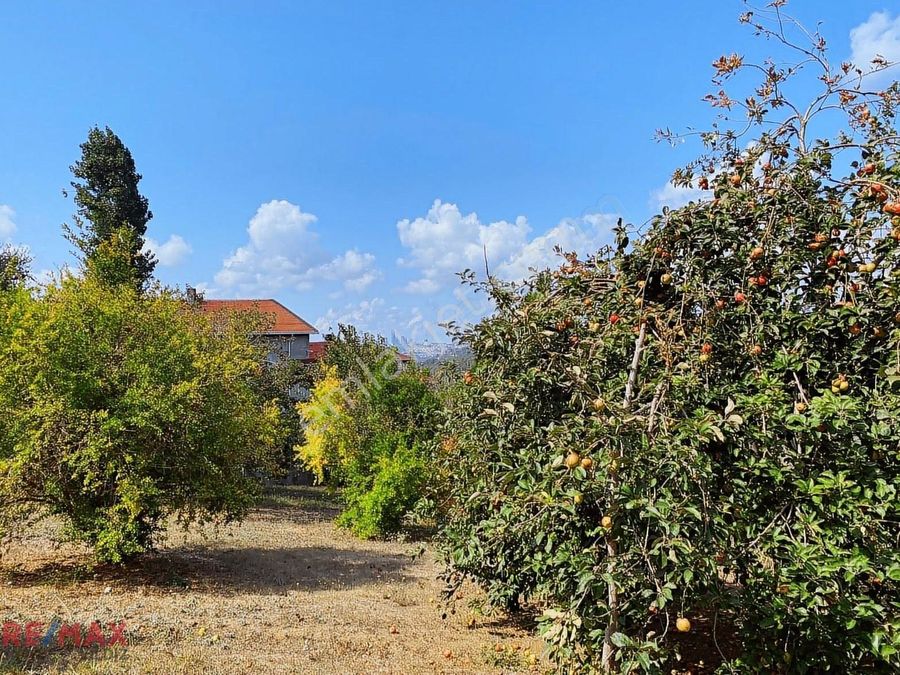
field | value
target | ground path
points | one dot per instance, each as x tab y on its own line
283	592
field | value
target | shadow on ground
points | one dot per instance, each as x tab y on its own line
212	568
260	570
523	620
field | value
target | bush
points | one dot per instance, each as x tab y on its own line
330	432
704	424
367	421
121	409
379	498
280	382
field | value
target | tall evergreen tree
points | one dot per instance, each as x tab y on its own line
109	203
14	267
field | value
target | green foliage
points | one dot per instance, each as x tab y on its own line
380	494
703	423
110	207
330	432
367	420
14	267
112	262
360	358
122	408
278	382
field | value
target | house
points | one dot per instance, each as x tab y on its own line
287	334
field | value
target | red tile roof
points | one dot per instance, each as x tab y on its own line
283	319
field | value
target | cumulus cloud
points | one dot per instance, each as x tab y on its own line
283	252
363	314
676	197
446	241
878	36
375	315
279	252
170	253
584	235
354	269
7	221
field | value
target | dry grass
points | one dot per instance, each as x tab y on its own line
284	592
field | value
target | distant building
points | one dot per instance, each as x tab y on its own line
287	334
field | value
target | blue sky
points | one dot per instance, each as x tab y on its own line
348	158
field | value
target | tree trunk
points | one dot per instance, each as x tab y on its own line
612	546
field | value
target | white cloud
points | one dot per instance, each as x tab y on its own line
7	223
277	255
356	270
879	35
446	241
283	252
584	235
45	277
422	286
362	315
278	223
374	315
676	197
171	253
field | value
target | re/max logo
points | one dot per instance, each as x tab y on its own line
34	634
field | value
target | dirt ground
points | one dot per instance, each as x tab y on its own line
283	592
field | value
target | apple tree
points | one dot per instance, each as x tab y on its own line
692	439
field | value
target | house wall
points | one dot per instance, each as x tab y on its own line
287	346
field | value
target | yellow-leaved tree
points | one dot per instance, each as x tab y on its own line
329	428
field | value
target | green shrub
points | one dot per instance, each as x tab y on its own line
15	266
367	423
120	409
379	499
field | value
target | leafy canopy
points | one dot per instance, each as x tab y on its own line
14	267
700	426
121	409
